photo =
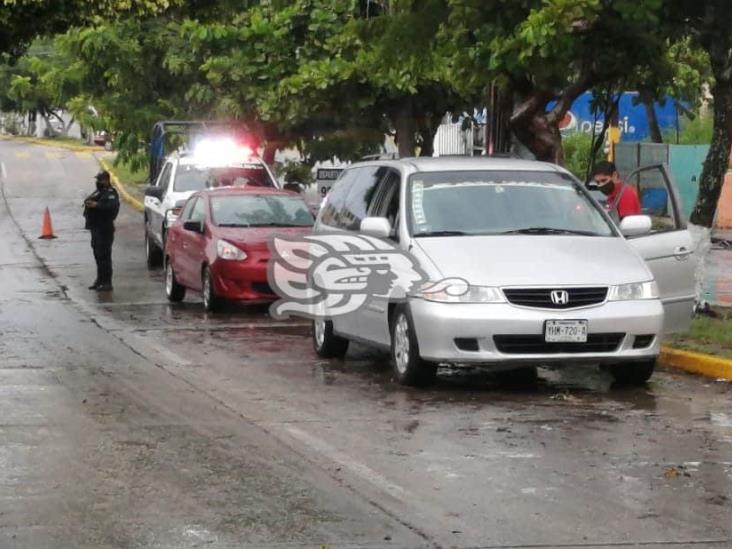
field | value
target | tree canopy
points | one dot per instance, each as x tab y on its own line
332	76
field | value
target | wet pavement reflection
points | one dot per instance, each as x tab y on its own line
165	426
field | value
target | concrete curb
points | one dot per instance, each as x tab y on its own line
696	363
124	193
49	143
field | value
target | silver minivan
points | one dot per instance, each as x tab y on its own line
547	277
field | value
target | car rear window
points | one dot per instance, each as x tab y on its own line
197	178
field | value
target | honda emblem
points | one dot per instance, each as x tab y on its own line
560	297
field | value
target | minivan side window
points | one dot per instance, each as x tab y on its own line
388	206
336	198
362	192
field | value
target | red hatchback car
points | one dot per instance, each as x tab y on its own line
219	244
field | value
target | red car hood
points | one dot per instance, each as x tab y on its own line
257	238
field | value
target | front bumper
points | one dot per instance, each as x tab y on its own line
242	280
438	325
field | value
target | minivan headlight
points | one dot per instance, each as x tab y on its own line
633	291
460	293
226	250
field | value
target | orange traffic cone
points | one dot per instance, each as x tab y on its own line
47	230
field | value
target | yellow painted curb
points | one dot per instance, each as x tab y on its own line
51	143
696	363
126	196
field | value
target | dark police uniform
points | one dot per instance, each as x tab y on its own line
100	221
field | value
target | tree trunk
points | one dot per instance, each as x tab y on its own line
537	129
269	153
32	123
67	127
406	128
497	130
49	128
427	130
541	137
653	126
712	179
716	163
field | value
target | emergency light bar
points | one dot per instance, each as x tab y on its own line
221	152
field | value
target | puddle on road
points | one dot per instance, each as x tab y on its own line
721	419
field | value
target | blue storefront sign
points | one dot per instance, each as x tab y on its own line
633	121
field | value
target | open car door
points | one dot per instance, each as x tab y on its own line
668	249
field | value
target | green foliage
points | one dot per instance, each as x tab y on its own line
23	20
130	175
320	75
708	335
578	153
294	172
696	131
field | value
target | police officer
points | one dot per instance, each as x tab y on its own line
101	209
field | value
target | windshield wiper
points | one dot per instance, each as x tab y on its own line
441	233
550	230
233	225
277	225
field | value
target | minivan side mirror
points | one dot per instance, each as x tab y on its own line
154	191
635	225
376	226
195	226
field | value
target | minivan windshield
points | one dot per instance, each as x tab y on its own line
260	210
501	202
197	178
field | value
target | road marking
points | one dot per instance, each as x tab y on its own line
54	155
82	154
22	154
3	171
347	462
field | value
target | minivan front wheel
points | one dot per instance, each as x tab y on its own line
325	342
409	367
633	373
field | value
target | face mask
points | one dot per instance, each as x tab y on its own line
606	188
100	185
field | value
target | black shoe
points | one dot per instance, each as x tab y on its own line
94	286
104	288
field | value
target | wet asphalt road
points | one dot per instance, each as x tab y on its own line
128	422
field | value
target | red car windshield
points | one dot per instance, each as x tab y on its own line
260	210
197	178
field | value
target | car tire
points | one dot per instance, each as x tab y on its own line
211	302
174	291
153	254
325	342
409	367
524	376
633	373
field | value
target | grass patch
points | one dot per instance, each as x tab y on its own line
66	140
128	176
707	335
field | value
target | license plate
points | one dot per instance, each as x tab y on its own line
565	331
